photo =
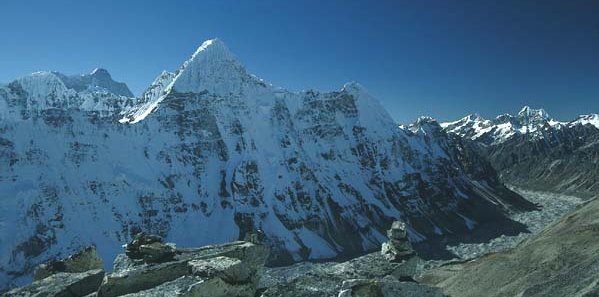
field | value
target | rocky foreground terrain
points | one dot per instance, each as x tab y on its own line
150	267
559	261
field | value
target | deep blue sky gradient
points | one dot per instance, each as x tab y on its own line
439	58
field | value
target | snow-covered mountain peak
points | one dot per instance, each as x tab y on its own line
372	114
534	123
469	119
212	68
99	80
214	48
42	86
354	87
528	115
424	120
587	119
472	124
425	125
100	73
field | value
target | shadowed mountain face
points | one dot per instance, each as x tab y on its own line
99	79
560	261
210	153
534	151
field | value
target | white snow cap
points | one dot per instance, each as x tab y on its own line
213	68
588	119
527	113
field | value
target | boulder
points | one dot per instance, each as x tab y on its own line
82	261
217	287
157	252
142	277
407	269
386	287
62	284
231	270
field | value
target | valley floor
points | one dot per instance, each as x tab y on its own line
552	207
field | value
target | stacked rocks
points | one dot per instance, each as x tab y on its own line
399	250
149	248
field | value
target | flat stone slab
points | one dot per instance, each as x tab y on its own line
62	284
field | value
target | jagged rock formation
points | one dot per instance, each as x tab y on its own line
213	151
559	261
229	270
534	151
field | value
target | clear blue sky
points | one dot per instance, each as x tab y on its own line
439	58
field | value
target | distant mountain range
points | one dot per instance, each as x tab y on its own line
210	153
535	151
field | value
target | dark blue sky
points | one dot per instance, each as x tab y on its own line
439	58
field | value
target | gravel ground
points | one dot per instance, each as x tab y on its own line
553	206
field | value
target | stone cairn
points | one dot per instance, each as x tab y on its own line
399	250
150	249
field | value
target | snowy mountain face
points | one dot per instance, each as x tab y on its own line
99	79
535	151
210	153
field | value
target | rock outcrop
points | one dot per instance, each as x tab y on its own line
63	284
150	267
82	261
149	248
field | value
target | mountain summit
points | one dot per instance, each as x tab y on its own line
211	68
99	79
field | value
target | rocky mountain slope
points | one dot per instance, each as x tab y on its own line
559	261
210	153
534	151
